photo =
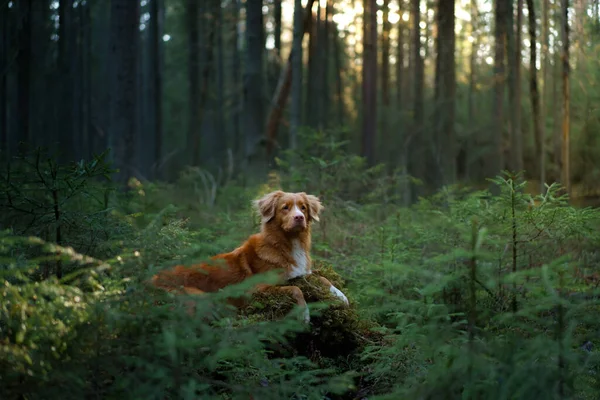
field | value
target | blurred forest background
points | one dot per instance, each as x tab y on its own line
446	91
453	143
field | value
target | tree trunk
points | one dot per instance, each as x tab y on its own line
514	84
66	89
538	128
517	139
282	90
235	78
86	63
296	56
446	93
325	38
400	70
221	135
124	40
23	73
385	55
156	54
496	158
277	32
566	161
417	149
338	74
310	107
465	167
545	57
253	81
369	83
4	67
194	128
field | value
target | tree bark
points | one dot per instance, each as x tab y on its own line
338	75
194	128
538	128
446	92
156	47
417	149
282	90
369	83
545	57
514	84
4	67
385	55
277	33
253	81
566	161
123	52
496	158
235	78
24	73
400	70
296	70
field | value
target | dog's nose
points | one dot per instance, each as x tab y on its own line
299	217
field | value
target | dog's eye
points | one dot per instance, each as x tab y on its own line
286	207
303	208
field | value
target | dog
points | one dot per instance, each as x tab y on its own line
282	245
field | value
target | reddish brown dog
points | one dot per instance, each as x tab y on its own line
283	244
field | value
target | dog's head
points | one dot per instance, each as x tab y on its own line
292	212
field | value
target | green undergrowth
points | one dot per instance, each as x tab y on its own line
462	295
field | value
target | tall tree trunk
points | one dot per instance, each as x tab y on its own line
124	41
566	160
282	90
235	78
400	70
514	85
545	57
66	100
194	128
156	52
277	33
86	88
4	67
221	135
296	106
496	158
337	59
538	128
472	109
253	81
24	72
385	54
369	83
417	149
326	37
386	154
446	93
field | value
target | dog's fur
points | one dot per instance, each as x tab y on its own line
283	245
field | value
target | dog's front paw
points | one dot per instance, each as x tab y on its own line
306	315
338	293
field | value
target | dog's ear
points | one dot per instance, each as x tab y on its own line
266	205
314	206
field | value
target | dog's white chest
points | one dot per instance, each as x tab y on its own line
300	266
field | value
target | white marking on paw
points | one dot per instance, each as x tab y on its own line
306	314
300	266
338	293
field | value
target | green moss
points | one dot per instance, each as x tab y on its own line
335	329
